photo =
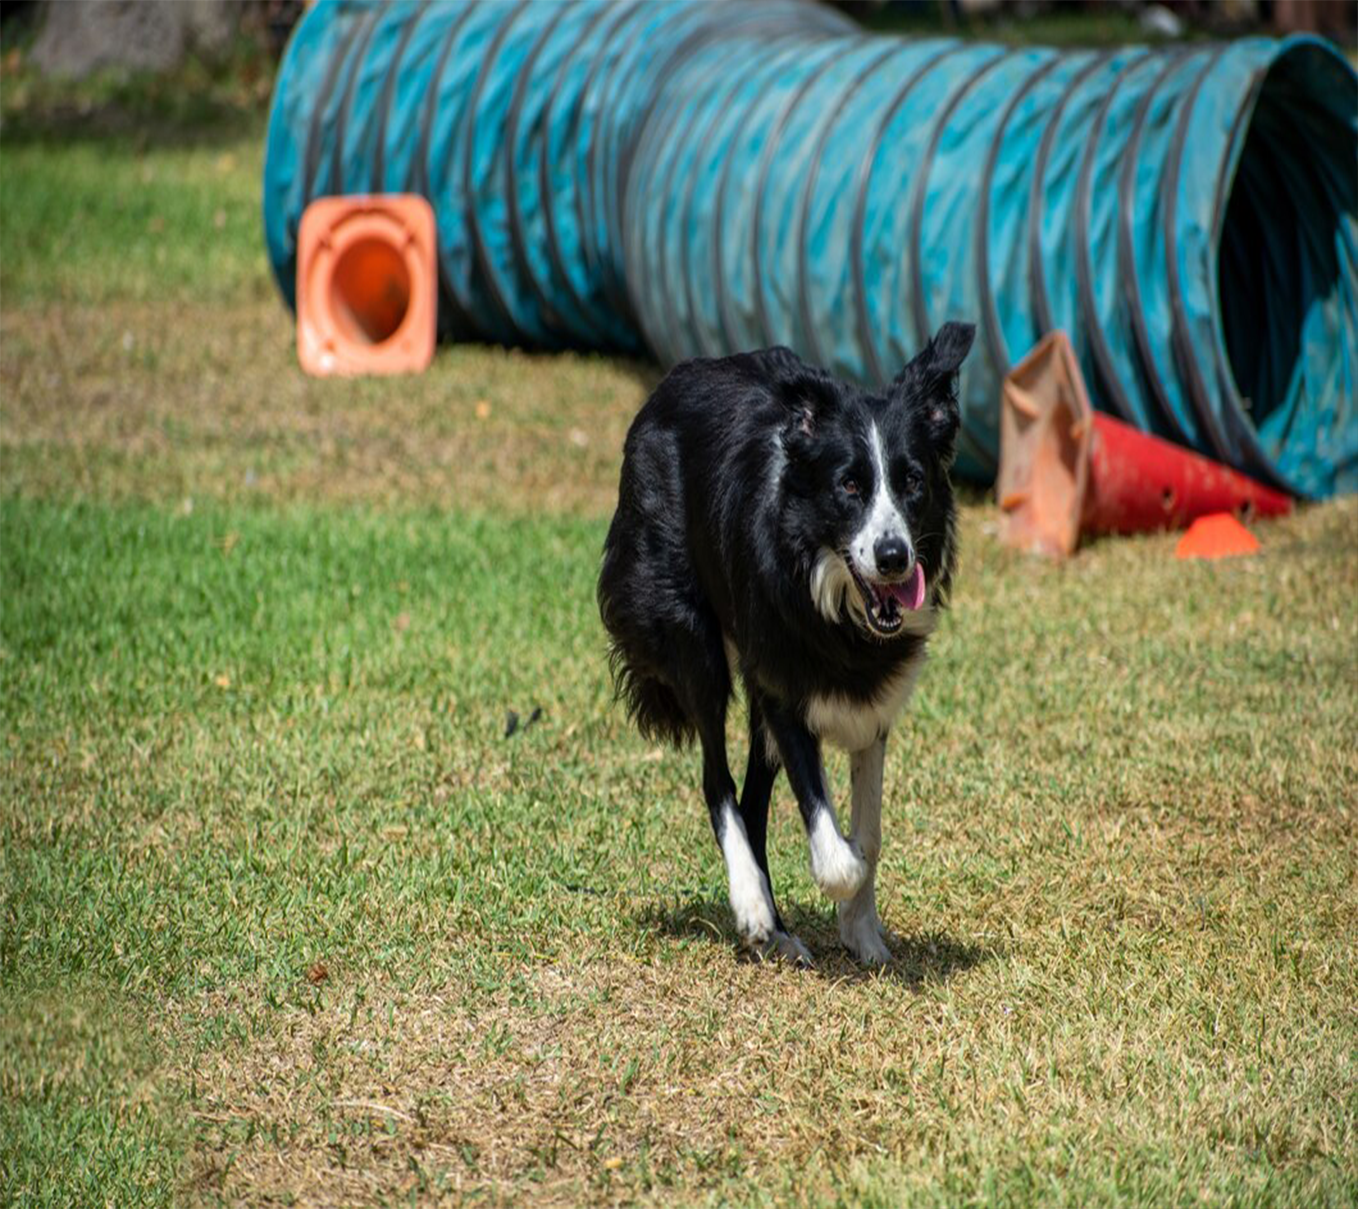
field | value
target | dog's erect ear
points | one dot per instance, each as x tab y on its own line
929	382
950	346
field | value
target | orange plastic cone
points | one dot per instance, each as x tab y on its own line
1217	536
367	285
1066	470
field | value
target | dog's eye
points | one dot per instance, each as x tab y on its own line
850	486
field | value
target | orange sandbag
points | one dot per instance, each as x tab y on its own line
367	285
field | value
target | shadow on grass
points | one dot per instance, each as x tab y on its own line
915	960
198	122
194	105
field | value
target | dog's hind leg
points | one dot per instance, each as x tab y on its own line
837	864
859	927
760	773
703	679
756	917
761	770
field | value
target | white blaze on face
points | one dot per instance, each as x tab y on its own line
884	518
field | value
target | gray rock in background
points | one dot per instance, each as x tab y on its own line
79	37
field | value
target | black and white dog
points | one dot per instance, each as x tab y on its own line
778	527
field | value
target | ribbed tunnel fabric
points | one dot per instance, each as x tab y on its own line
691	179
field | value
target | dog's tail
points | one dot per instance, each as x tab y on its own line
635	661
651	703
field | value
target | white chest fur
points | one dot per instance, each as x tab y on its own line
856	725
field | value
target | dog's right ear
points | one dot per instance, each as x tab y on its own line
809	396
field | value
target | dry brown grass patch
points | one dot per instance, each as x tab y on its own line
196	401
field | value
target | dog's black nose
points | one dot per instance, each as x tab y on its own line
892	554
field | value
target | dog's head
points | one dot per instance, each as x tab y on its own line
868	499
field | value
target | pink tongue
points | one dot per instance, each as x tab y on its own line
910	594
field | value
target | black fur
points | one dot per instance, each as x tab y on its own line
733	481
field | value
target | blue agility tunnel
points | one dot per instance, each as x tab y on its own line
696	178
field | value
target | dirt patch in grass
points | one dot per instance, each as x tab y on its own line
580	1084
604	1080
193	401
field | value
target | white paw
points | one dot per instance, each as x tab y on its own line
837	864
753	915
865	938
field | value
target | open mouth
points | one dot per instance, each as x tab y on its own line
888	603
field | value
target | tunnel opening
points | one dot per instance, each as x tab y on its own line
1281	256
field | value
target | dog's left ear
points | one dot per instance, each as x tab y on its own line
952	342
930	382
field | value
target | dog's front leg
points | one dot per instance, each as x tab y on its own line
859	927
837	864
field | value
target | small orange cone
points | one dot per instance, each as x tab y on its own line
367	285
1217	536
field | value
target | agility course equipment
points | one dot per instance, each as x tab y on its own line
698	178
367	285
1219	535
1067	471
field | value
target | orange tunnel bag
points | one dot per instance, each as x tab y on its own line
1067	470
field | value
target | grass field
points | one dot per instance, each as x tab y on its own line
286	917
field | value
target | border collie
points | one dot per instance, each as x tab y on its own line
780	528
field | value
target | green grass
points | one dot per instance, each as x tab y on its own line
242	742
132	186
285	917
97	220
84	1121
